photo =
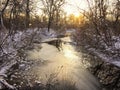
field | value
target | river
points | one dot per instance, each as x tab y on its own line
65	66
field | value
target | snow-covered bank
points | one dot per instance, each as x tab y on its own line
13	47
109	54
105	53
3	74
21	39
107	72
106	58
107	50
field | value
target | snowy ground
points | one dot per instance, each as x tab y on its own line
13	47
110	54
107	50
106	58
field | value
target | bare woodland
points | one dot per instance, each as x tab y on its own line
98	28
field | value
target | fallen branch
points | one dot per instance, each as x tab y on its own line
4	83
3	73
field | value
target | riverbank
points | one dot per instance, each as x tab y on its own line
12	52
18	75
106	72
105	53
60	70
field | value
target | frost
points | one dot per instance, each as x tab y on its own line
106	58
117	63
117	45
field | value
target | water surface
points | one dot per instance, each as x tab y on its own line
64	65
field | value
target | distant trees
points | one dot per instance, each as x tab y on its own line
103	19
52	9
2	10
19	14
116	13
15	14
102	22
27	13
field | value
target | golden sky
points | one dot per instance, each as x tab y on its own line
72	6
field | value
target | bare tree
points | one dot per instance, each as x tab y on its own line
116	14
27	13
2	14
117	11
52	7
98	16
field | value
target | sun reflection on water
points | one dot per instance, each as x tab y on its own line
67	63
70	53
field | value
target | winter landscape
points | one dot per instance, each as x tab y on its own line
59	45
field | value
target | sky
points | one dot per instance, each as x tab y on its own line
72	6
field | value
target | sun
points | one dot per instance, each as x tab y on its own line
73	7
76	15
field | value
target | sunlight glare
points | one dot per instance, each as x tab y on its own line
73	6
76	15
69	53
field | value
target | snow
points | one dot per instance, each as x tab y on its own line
23	38
117	63
99	54
109	53
14	44
117	45
105	57
7	67
17	36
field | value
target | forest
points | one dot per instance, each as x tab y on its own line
59	45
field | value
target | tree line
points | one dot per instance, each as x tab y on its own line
102	23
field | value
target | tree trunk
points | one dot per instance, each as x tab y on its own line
27	13
49	23
2	13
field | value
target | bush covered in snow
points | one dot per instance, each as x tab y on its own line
108	44
14	44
